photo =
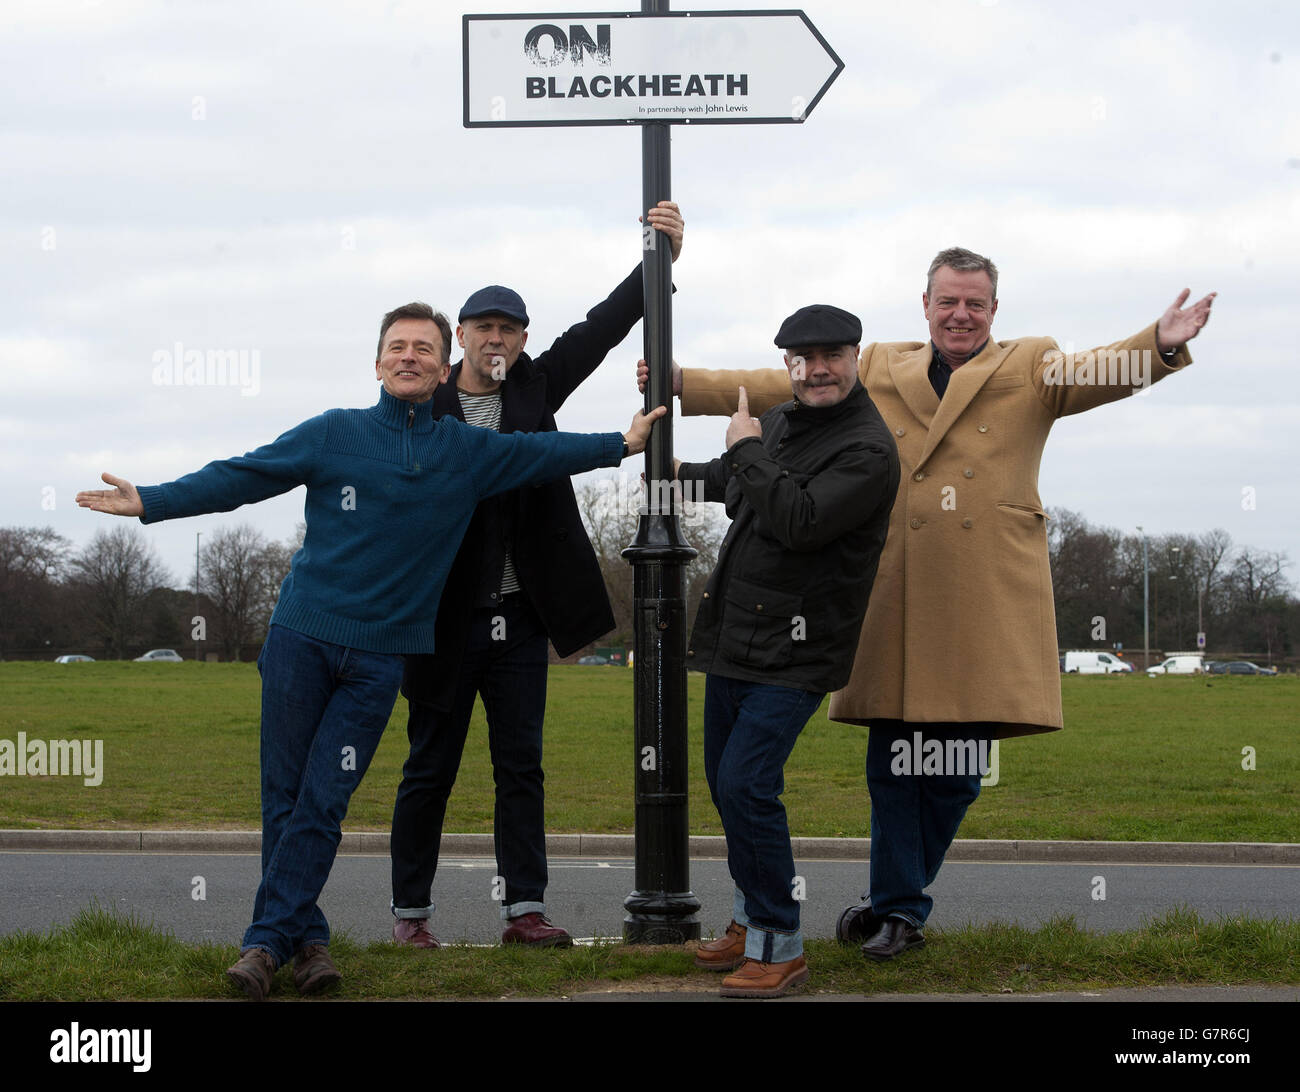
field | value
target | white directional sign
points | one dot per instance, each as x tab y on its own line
621	67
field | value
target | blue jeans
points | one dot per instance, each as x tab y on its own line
914	816
506	662
324	709
749	731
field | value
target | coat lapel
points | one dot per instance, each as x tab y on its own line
964	385
910	372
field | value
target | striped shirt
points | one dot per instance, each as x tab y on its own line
484	411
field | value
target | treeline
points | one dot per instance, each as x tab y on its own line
1239	596
113	599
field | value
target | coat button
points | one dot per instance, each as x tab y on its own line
758	606
915	524
984	428
967	523
898	432
969	473
705	595
690	652
919	476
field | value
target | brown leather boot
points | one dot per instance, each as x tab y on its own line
755	979
724	954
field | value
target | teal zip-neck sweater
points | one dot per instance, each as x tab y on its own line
390	491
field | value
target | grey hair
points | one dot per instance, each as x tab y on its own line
963	261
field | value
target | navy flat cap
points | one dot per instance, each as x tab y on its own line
494	300
819	324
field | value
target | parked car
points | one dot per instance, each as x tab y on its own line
1245	667
1094	663
160	656
593	661
1178	665
74	659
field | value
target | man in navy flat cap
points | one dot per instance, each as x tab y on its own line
526	573
808	489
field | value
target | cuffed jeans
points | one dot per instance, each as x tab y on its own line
505	661
749	731
324	709
914	816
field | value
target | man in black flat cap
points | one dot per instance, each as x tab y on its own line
525	574
809	490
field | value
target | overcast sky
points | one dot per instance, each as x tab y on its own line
274	176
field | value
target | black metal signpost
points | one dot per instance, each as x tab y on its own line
757	67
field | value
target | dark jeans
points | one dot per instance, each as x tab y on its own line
749	731
324	709
510	674
914	817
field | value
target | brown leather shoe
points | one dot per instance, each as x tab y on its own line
535	931
724	954
414	933
313	970
755	979
253	973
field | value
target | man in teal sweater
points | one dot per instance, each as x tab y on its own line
361	592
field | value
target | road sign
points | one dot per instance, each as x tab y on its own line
618	68
1200	640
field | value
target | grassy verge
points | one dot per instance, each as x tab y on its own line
1143	759
100	956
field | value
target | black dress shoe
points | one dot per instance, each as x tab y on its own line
892	938
857	923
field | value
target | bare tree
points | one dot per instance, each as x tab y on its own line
116	572
239	575
32	562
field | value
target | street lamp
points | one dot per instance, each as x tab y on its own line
1146	603
197	536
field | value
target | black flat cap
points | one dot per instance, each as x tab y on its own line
494	300
819	324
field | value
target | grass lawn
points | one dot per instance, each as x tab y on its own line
1156	759
101	956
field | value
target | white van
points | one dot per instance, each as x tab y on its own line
1181	663
1094	663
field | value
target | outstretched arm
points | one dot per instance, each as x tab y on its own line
577	352
499	462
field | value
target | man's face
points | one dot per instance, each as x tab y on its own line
960	308
492	344
411	366
822	375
